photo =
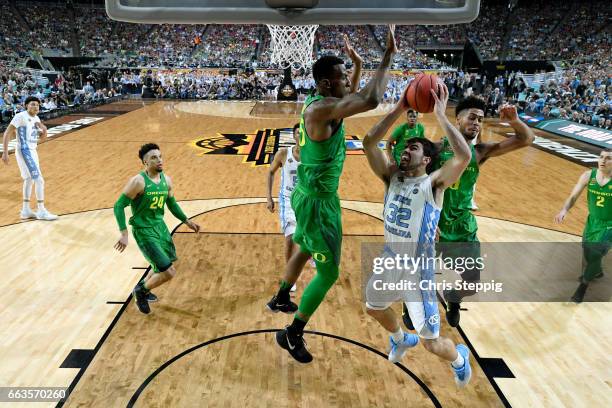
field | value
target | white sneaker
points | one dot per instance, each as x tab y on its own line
25	215
398	350
293	288
45	215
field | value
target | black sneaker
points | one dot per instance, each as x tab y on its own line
578	296
406	318
294	344
140	297
151	298
275	306
452	313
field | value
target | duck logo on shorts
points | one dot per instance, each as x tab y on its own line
319	257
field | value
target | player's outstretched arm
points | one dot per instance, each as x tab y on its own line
583	181
366	99
176	210
523	136
279	159
9	134
133	188
357	63
378	160
450	172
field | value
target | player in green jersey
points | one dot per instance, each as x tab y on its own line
147	193
397	142
315	198
457	226
597	234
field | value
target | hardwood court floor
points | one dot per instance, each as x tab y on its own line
59	276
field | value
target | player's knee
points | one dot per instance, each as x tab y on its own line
331	276
170	272
430	345
372	312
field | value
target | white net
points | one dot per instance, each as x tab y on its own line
292	45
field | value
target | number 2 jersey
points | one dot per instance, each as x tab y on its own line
148	208
598	227
411	215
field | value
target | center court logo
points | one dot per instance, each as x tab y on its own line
258	148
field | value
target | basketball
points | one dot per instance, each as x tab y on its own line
418	94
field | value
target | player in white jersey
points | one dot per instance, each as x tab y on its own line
413	202
27	127
287	160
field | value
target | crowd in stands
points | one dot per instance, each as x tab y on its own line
230	45
562	31
579	32
407	56
12	34
537	29
486	31
198	84
582	94
57	95
330	40
49	26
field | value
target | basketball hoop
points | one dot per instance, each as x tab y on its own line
292	46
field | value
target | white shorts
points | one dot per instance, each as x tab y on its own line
287	216
420	300
27	160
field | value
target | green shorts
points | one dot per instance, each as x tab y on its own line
156	245
319	225
463	229
596	230
458	240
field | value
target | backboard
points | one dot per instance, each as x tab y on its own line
294	12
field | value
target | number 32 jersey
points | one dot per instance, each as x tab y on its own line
411	215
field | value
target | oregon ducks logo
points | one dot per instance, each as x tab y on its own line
319	257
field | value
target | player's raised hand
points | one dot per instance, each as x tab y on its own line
270	205
391	46
508	112
442	100
350	51
121	243
559	218
192	226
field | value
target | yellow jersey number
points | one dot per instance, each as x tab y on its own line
158	202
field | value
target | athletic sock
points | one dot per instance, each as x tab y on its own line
283	295
144	286
458	363
297	327
398	336
26	205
